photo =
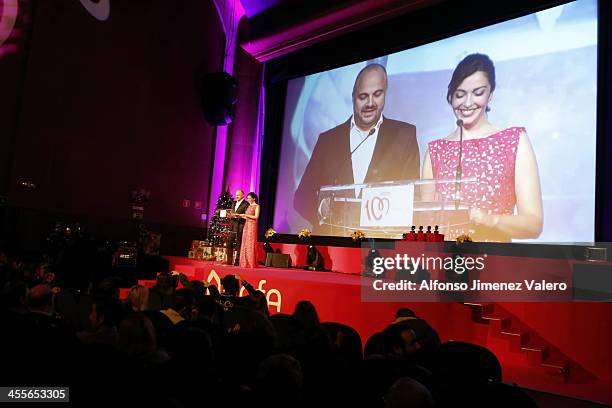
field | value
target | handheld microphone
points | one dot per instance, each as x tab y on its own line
459	170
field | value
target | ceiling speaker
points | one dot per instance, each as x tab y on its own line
218	94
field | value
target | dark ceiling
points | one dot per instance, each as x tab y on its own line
268	16
256	7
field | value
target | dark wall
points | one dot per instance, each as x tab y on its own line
13	56
603	214
108	106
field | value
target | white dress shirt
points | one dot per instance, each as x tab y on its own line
362	157
238	205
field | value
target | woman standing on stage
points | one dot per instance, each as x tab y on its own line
501	160
248	249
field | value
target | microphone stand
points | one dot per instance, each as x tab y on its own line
370	133
459	170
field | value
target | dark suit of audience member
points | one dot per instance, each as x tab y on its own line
237	225
394	154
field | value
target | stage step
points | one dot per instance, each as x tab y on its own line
537	352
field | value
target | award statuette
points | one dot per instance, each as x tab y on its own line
228	213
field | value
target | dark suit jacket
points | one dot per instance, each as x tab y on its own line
396	157
237	224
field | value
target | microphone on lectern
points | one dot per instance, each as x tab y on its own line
459	170
345	162
372	131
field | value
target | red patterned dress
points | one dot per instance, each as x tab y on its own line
490	160
248	249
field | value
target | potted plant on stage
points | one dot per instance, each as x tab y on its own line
463	238
304	234
269	237
270	234
358	236
458	275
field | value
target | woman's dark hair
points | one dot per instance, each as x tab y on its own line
469	65
306	313
252	194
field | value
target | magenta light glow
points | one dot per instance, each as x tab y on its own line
230	13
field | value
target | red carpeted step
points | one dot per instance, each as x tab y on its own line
507	333
497	322
478	309
536	353
556	364
517	338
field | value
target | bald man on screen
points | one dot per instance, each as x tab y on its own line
367	148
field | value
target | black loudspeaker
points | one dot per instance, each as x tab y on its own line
278	260
218	94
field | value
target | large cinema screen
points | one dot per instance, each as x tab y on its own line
491	132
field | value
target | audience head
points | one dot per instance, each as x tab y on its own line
230	285
193	345
165	282
375	346
306	313
138	298
104	312
456	361
40	271
407	392
185	303
208	309
497	394
109	287
259	302
400	341
198	287
137	335
280	375
403	314
41	298
461	373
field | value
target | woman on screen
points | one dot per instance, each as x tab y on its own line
501	161
248	249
